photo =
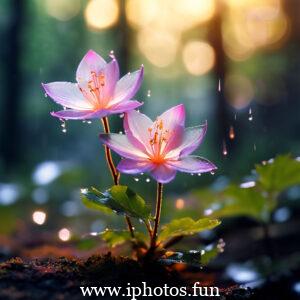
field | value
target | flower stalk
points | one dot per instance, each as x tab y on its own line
159	195
114	173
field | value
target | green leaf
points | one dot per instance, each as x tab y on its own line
118	237
115	237
278	175
119	199
237	201
186	226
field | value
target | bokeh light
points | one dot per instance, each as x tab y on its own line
64	234
179	204
39	217
239	90
101	14
62	10
158	46
198	57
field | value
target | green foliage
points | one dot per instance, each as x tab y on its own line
260	200
186	226
119	199
276	176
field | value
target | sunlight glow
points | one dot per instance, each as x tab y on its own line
62	10
101	14
198	57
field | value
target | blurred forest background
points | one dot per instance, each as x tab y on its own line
234	63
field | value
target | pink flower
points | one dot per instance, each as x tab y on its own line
98	91
161	148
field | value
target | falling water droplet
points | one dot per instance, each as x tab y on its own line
64	130
250	118
149	93
235	116
45	95
89	122
63	125
231	133
199	174
136	179
254	147
147	179
225	152
219	85
212	173
142	173
121	116
120	132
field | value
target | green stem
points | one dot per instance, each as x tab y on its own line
159	195
114	173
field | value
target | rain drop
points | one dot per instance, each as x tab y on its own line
219	85
231	133
225	152
250	118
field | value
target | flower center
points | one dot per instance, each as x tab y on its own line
95	90
158	140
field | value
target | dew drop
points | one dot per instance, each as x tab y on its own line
147	179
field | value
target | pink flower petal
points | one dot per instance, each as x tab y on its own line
127	86
120	144
125	106
129	166
192	138
67	94
173	117
163	173
90	62
111	76
71	114
192	164
136	127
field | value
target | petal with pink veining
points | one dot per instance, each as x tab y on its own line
67	94
71	114
192	138
192	164
136	126
163	173
173	117
120	144
127	86
130	166
91	62
124	106
111	76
